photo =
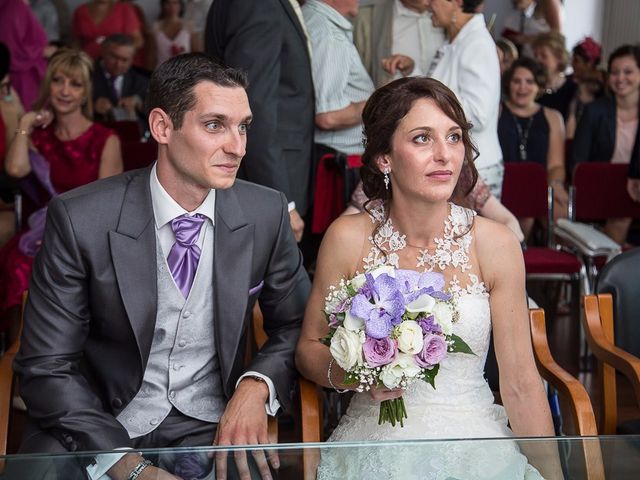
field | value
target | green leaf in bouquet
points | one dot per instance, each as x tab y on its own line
459	346
351	291
350	378
430	375
326	340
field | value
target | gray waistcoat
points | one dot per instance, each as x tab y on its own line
183	370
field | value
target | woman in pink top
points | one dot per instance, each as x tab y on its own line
608	128
97	19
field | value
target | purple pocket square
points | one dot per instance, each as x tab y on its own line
256	289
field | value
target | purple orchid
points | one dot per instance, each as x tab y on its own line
380	305
413	285
428	325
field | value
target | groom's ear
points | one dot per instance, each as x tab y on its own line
160	126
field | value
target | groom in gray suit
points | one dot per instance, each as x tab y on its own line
142	293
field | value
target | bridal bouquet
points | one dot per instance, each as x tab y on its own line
391	327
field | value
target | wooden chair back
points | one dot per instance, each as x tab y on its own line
7	385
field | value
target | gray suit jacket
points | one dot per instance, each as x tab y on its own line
91	314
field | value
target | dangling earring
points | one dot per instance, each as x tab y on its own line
453	18
386	179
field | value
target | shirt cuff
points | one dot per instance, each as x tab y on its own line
104	461
292	206
273	405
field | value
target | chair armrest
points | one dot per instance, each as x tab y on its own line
6	391
311	414
565	383
604	348
585	239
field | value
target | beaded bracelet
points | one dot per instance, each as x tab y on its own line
137	470
331	382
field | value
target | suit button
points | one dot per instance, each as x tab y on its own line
116	403
154	421
182	343
187	314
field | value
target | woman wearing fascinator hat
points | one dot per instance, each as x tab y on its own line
585	61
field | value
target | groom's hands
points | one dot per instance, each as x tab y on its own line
244	422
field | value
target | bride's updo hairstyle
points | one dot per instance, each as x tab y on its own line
381	116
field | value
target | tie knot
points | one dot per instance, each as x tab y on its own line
187	228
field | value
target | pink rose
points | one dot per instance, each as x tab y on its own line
433	351
379	352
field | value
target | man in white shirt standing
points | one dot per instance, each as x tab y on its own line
396	27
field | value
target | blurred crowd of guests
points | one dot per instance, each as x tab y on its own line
311	65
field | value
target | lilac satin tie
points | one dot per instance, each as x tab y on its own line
184	255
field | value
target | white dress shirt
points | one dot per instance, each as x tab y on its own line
415	36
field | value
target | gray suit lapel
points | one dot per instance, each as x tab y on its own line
133	252
233	258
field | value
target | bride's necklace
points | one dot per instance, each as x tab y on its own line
450	249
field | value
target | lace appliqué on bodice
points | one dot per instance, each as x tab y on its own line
452	250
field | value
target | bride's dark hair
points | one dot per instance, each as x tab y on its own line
382	113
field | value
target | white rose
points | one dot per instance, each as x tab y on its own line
444	317
403	366
410	337
352	323
424	303
384	269
358	281
345	348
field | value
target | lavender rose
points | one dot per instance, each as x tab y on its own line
379	352
433	351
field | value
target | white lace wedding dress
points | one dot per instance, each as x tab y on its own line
462	404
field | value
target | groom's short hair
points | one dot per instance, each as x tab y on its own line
172	83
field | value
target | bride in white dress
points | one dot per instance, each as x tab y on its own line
417	138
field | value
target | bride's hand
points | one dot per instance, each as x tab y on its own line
383	393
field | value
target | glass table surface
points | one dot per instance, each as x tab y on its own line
605	457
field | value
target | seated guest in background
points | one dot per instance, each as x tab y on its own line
172	35
119	89
97	19
608	128
388	27
342	84
530	132
551	53
62	148
69	152
585	60
27	41
507	54
162	267
268	40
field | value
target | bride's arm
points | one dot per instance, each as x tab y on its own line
337	259
521	388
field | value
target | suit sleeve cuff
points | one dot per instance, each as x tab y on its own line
104	461
273	405
292	206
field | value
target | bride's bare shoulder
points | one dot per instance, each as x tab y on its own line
496	245
346	235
